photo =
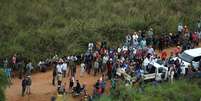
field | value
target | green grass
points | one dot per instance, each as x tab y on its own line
40	28
181	90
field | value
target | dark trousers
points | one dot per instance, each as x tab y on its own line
95	71
109	75
23	90
53	80
64	73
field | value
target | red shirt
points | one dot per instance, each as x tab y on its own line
177	50
109	67
163	54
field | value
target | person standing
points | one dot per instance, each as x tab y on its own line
24	83
109	69
29	68
199	25
28	85
59	73
163	55
54	74
82	69
96	66
64	69
14	58
8	74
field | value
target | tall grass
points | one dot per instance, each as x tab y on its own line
181	90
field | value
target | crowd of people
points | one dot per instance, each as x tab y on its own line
134	56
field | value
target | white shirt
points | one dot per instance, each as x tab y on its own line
151	51
180	28
105	59
64	66
135	36
146	62
82	66
119	50
59	68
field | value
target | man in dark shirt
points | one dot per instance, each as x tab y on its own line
24	83
78	87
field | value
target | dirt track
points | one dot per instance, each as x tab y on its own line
42	90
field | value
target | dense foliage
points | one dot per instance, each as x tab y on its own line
179	91
3	84
41	28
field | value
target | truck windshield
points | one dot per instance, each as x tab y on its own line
186	57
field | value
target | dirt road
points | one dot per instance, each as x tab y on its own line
42	89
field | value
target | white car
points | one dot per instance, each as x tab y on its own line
157	72
189	57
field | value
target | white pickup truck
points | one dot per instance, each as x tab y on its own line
189	57
159	72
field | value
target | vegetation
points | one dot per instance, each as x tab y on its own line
179	91
40	28
3	85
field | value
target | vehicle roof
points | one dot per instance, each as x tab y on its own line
193	52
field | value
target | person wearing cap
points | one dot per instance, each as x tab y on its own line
28	85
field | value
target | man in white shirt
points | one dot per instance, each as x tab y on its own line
151	51
180	28
146	62
105	59
135	36
82	69
59	73
64	69
59	68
